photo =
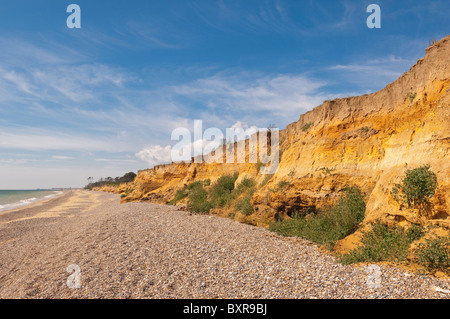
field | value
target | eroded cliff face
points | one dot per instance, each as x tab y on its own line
365	141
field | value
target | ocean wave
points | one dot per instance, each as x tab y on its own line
27	201
53	195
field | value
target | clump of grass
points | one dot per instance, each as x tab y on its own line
198	198
244	205
128	191
259	165
384	243
265	181
330	225
245	184
248	188
327	171
306	126
179	195
197	184
365	129
291	172
281	185
222	191
434	254
202	197
185	191
201	200
412	96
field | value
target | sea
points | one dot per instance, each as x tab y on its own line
10	199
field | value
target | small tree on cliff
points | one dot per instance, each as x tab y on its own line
416	189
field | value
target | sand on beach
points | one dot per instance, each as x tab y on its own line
86	245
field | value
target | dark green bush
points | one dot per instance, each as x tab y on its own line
384	243
244	205
434	254
247	188
222	191
246	183
179	195
417	187
329	225
197	184
198	199
414	232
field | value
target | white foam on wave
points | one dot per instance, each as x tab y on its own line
53	195
28	201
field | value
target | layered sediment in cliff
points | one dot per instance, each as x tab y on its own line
365	141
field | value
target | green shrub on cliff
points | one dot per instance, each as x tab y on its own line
384	243
244	205
434	254
222	191
245	191
329	225
416	189
179	195
202	196
198	198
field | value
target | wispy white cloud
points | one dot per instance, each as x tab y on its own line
234	17
62	83
37	140
375	72
154	36
281	96
109	160
24	53
62	157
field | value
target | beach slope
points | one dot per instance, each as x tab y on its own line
144	250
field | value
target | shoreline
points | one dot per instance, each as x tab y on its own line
36	203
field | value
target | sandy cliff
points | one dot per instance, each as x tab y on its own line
365	141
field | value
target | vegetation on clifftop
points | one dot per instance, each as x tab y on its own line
109	181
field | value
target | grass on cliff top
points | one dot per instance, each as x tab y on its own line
329	225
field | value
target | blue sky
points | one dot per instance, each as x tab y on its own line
103	100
